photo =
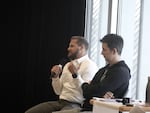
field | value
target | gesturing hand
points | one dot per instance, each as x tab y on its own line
56	70
73	68
108	95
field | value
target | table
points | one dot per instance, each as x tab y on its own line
114	107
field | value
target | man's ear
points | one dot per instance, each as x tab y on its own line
115	50
82	47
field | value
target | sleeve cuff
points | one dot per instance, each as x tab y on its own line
55	79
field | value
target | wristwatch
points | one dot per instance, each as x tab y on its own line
74	75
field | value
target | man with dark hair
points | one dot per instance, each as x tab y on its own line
63	80
113	41
114	77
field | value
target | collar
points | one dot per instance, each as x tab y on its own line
79	60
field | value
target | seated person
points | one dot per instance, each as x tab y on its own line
63	82
113	77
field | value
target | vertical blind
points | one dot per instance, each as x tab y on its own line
129	25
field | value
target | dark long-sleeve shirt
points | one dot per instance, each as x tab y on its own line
113	78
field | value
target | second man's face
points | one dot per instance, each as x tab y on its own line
73	49
107	53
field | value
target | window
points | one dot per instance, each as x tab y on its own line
96	27
130	19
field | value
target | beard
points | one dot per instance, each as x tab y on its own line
73	56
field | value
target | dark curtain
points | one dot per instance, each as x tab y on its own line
35	36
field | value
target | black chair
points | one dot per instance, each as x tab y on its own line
148	91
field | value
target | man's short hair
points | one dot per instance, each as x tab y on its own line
113	41
81	41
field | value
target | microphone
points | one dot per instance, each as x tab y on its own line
53	74
62	63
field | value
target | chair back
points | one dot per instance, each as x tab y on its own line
148	91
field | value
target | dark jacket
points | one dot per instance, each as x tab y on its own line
115	79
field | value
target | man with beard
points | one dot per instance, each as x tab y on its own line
63	82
